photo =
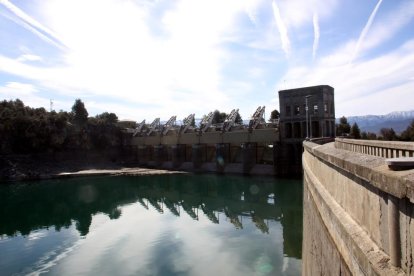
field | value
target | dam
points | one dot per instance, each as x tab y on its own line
357	211
258	147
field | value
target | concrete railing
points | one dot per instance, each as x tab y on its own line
358	214
385	149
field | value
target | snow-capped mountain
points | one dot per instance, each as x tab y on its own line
398	120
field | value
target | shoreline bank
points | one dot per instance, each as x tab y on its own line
28	169
89	173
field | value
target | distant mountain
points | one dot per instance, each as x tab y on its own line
398	120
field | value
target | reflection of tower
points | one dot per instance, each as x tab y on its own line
289	198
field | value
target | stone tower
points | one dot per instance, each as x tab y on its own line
319	121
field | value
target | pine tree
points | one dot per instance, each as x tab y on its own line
343	127
355	132
80	114
274	115
408	134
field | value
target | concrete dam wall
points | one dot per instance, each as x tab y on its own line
246	158
357	212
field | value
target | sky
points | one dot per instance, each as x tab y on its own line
144	59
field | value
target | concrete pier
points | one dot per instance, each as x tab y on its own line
177	155
198	153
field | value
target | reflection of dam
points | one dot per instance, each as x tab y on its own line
194	202
232	200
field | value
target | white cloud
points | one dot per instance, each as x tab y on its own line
29	57
365	31
389	26
284	37
33	25
363	82
250	8
316	35
298	13
112	51
23	91
160	58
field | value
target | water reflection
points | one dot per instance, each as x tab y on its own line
243	203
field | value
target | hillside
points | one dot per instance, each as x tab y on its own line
398	120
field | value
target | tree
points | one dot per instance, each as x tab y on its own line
239	119
218	117
355	132
343	127
274	115
107	118
80	114
364	135
388	134
408	134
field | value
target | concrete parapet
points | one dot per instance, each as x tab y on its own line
366	208
386	149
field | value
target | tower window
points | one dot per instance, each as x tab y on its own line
315	109
297	110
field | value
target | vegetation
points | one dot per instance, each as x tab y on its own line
220	117
355	131
387	134
408	134
34	130
343	128
368	135
274	115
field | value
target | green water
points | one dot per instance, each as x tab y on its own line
152	225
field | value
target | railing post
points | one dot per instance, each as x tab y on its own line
394	231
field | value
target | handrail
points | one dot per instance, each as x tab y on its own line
385	149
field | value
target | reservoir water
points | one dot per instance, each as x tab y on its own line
152	225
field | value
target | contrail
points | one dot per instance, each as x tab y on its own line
33	25
316	34
35	31
365	31
282	29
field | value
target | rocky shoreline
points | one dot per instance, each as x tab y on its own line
23	168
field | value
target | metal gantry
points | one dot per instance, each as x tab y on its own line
169	125
230	120
139	128
154	126
206	124
257	118
187	123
